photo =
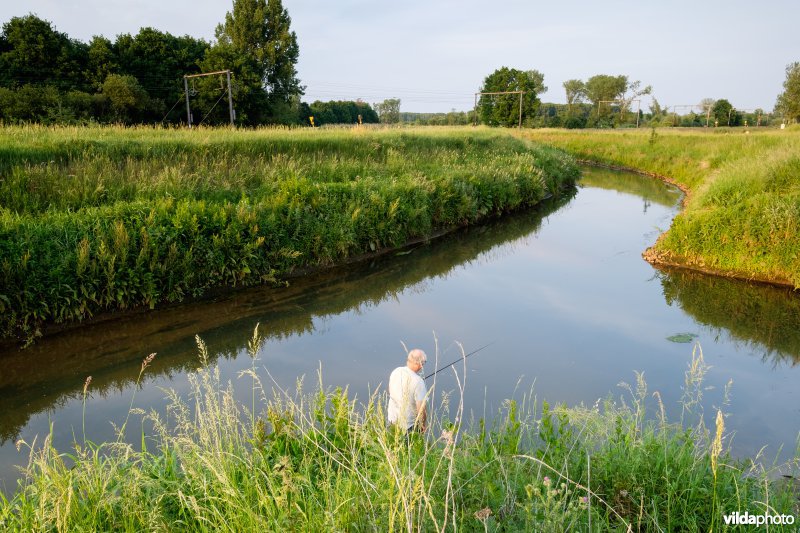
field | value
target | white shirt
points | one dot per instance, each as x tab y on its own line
406	388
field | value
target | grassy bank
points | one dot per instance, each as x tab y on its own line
321	461
742	216
100	219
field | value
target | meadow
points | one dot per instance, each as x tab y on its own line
319	460
101	219
742	214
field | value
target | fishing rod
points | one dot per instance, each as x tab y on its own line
459	360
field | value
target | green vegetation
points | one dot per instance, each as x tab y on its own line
650	190
764	320
101	219
389	111
321	461
742	214
49	78
604	91
504	109
62	361
255	41
451	118
789	100
339	112
723	114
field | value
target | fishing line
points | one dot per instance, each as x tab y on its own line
459	360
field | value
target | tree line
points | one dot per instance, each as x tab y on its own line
509	97
48	77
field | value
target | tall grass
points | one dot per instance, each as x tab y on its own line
742	216
101	219
319	461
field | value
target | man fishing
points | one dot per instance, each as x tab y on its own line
407	391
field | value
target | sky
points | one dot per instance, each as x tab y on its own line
435	54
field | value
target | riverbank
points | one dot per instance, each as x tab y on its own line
741	217
95	220
320	460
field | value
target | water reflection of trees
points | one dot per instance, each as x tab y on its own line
765	319
49	374
649	189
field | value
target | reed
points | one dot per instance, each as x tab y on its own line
742	215
321	460
94	220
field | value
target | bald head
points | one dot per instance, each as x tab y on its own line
416	358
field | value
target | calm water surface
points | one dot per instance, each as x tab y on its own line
562	293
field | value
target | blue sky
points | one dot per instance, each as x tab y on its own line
433	55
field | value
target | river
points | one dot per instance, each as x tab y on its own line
561	293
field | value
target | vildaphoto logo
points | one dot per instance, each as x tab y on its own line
745	518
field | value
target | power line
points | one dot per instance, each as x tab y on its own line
383	88
227	74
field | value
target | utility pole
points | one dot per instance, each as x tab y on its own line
230	94
188	109
230	98
638	111
520	93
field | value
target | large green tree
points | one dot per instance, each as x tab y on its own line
102	61
158	61
32	52
605	91
724	114
256	43
575	91
340	112
605	88
788	102
127	100
388	111
504	109
35	58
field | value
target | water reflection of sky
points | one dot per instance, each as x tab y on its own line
564	297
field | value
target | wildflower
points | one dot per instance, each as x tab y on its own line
546	481
447	437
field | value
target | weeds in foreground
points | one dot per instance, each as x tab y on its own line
320	460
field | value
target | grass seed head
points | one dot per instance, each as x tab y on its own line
148	360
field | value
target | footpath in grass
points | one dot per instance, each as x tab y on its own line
742	214
321	461
94	220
